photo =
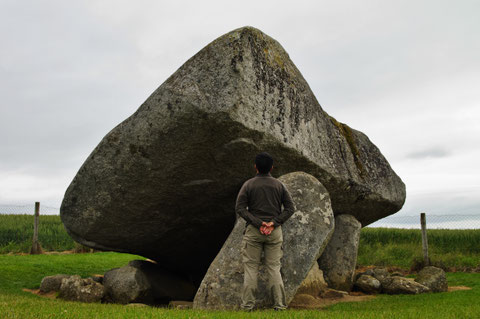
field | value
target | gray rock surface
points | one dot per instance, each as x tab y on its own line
145	282
381	274
314	284
434	278
305	235
74	288
368	284
339	259
401	285
163	183
52	283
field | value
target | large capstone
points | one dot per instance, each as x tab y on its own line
305	235
163	183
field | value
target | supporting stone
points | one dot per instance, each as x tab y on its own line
305	235
339	259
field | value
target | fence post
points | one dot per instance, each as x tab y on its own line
423	222
36	247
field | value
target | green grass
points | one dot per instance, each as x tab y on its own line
400	247
16	233
17	272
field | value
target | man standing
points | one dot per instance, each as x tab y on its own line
259	202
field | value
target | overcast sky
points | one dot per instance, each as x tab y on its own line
406	73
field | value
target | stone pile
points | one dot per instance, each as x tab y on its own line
379	280
139	282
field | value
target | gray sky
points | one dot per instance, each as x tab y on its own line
406	73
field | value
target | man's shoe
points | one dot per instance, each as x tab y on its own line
279	309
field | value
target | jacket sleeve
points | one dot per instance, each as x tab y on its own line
241	208
288	208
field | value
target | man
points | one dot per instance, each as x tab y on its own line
259	202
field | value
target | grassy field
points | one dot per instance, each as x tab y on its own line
17	272
402	247
16	232
378	246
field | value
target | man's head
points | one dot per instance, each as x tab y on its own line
263	162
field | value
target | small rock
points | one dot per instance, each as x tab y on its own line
180	304
381	274
126	285
402	285
74	288
145	282
368	284
434	278
52	283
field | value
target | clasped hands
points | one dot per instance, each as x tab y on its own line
266	228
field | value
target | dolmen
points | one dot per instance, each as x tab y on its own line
162	184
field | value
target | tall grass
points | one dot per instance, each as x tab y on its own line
378	246
16	232
402	247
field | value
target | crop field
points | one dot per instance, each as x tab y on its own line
448	248
16	232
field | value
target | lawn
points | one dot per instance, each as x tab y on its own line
17	272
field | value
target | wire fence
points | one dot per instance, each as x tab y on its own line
395	221
28	209
433	221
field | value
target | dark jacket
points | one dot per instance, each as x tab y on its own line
260	200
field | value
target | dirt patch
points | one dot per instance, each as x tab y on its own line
50	295
457	288
310	302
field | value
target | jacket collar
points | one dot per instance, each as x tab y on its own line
266	174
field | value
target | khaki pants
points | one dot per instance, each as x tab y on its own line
252	245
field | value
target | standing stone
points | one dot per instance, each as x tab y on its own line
162	184
339	259
305	235
434	278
